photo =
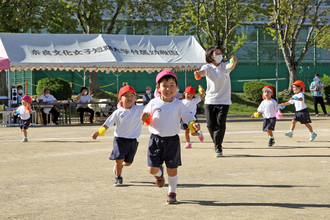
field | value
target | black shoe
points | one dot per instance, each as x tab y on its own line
118	181
171	198
271	142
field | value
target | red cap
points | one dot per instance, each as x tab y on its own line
125	89
164	73
27	98
269	88
299	83
190	89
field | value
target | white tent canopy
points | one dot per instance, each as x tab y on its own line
100	52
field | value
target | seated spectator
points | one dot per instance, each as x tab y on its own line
45	109
147	96
84	97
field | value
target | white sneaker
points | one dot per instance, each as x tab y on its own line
25	139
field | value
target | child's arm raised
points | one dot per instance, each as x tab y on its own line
284	104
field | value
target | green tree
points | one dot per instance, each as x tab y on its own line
296	16
216	22
54	16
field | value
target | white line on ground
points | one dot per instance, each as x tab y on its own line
205	134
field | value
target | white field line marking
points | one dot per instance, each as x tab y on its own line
148	135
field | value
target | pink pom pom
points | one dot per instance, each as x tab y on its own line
278	116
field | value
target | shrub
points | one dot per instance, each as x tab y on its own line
326	91
253	90
59	88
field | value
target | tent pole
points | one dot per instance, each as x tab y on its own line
9	89
117	74
186	80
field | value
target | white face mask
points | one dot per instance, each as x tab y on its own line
148	92
47	95
218	58
20	91
85	93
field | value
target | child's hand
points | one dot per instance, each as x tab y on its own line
197	75
196	126
95	134
144	116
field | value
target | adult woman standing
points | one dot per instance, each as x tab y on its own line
84	98
218	94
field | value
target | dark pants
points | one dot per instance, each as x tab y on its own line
319	99
81	110
15	119
216	117
54	112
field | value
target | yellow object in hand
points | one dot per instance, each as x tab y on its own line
200	90
102	131
190	126
256	115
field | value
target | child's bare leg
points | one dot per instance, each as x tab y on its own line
293	125
309	127
24	132
195	133
119	167
153	170
186	134
172	171
126	164
270	133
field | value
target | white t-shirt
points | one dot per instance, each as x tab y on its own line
128	122
23	113
144	97
218	91
268	108
50	98
85	99
166	116
299	105
192	104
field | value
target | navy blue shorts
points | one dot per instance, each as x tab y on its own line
269	124
124	149
184	126
164	149
24	124
302	116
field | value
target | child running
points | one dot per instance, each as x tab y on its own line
164	145
268	107
24	112
189	100
301	114
128	128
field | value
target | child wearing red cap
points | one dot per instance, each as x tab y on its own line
301	114
128	129
164	146
24	112
189	100
268	107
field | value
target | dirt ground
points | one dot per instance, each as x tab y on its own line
61	173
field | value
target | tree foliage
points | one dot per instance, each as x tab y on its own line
58	87
296	16
105	16
36	16
215	22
